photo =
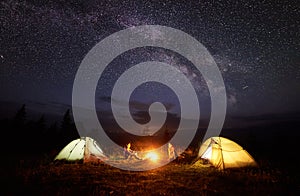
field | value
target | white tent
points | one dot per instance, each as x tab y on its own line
84	148
224	153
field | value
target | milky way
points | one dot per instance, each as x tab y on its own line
256	46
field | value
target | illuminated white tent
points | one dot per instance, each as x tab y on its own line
84	148
224	153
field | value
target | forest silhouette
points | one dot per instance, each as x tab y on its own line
25	136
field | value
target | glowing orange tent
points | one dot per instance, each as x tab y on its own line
224	153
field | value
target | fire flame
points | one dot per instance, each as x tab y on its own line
152	156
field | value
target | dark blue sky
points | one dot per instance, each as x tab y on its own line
256	45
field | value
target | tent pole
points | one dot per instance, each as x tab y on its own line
73	149
222	154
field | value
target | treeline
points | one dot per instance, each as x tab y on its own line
23	136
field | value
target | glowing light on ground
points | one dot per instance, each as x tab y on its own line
152	156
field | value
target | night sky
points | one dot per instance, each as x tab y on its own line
256	45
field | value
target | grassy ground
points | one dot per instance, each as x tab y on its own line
48	178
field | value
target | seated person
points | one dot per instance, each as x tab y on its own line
171	152
128	153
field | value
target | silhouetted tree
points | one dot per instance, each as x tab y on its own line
66	122
20	117
18	129
52	135
53	130
41	124
68	130
38	134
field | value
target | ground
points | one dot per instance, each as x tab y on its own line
49	178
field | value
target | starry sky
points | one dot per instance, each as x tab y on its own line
256	45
